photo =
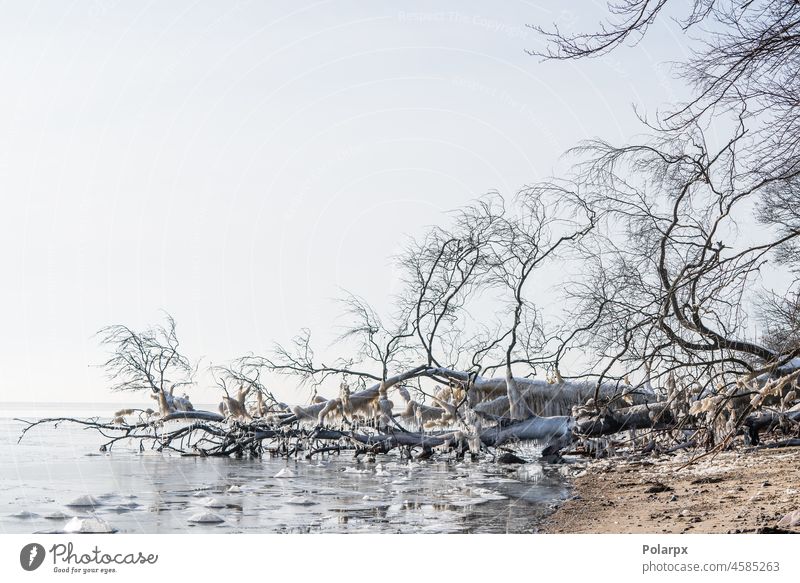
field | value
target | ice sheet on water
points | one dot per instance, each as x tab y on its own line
170	488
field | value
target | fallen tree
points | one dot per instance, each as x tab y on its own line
462	396
458	430
657	282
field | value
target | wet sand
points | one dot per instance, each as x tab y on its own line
735	491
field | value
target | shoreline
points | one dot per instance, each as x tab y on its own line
731	492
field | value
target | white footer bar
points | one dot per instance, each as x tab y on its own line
403	558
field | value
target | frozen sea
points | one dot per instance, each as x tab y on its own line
159	493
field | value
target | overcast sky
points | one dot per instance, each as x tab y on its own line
237	163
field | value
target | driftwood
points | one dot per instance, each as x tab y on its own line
648	415
201	415
767	421
209	434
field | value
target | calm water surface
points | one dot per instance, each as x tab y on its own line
159	493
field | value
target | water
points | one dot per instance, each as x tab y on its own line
158	493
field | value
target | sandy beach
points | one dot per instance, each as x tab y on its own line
732	492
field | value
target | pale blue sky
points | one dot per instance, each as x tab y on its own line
236	163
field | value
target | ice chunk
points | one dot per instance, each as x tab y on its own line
57	516
300	501
92	525
84	501
487	494
206	518
791	520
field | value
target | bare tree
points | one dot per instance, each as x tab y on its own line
149	360
523	242
442	272
674	233
490	249
780	320
689	226
252	399
745	62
